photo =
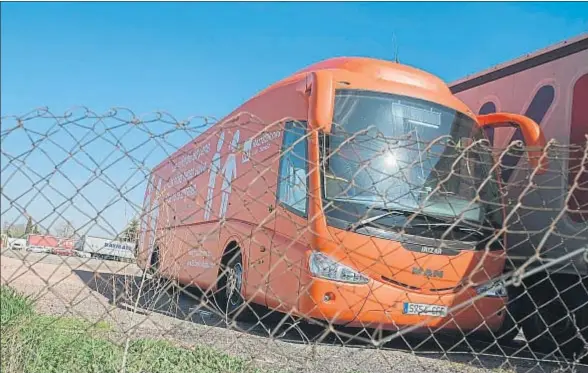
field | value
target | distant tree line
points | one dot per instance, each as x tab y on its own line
20	230
66	230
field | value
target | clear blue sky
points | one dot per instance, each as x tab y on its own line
207	58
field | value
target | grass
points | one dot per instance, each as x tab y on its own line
36	343
13	306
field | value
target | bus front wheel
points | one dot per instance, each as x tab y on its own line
228	295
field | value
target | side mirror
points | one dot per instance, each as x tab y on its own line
532	133
321	101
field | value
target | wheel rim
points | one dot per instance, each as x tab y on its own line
234	281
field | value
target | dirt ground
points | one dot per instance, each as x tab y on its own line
115	292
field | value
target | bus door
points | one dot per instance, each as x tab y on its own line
258	165
292	235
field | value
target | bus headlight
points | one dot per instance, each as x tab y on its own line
495	289
323	266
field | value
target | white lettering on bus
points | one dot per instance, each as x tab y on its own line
191	157
431	250
257	145
198	264
203	262
185	176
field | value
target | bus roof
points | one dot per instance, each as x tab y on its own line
378	69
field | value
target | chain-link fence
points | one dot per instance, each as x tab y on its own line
393	243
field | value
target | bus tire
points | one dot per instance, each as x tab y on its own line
560	316
228	294
516	310
505	335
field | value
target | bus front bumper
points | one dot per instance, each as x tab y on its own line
380	305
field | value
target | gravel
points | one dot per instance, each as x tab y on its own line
116	292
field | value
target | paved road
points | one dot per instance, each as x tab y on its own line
119	294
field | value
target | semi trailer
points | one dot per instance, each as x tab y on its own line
547	228
105	248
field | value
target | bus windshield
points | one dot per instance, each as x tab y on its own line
397	152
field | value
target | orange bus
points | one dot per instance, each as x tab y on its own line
339	194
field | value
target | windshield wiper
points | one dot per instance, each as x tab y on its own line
453	226
389	212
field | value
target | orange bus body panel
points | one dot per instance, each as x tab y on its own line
192	244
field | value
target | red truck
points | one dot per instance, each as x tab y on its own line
57	245
548	231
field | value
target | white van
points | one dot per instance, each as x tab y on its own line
17	243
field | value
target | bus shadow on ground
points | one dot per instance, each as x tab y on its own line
140	295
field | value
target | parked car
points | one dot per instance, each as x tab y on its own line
17	243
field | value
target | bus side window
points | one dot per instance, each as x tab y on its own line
293	174
578	149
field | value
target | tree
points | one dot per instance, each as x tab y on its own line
131	231
29	227
65	230
14	230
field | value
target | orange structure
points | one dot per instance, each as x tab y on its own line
339	194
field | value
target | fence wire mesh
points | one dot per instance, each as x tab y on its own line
405	242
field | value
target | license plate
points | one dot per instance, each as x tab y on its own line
424	309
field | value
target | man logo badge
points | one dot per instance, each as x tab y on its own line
431	250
